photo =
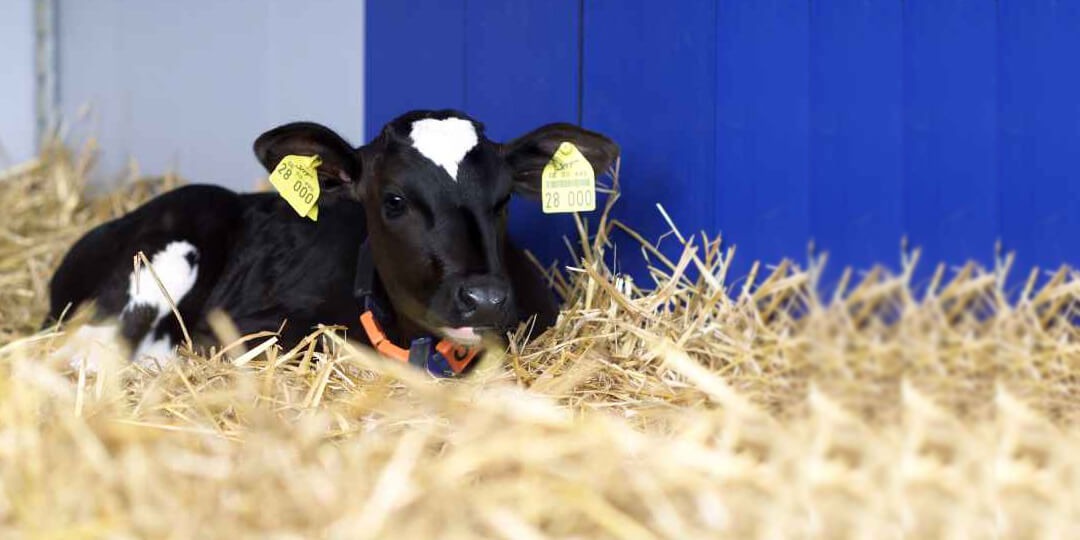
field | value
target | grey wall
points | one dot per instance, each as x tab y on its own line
17	123
187	86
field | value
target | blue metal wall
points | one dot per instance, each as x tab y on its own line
849	122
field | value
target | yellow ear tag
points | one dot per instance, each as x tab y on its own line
568	183
297	182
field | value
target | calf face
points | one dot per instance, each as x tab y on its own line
435	193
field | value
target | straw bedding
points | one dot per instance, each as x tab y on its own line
675	410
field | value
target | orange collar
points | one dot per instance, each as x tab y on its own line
447	358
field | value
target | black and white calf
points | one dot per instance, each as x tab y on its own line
411	226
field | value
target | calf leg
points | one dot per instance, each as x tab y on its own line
185	235
147	320
131	313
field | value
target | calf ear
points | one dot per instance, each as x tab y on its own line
340	162
527	155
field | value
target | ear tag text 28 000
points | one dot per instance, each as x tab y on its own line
568	183
297	182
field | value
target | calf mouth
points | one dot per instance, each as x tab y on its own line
465	335
473	335
462	332
469	329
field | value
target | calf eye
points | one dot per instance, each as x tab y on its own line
393	206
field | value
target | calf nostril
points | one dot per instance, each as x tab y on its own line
482	299
467	299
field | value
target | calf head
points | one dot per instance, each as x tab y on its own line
435	193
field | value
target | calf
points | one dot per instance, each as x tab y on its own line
409	247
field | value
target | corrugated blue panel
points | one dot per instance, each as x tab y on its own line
762	129
856	137
513	65
521	64
650	82
1039	147
852	122
415	59
950	130
521	72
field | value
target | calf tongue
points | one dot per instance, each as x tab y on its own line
465	335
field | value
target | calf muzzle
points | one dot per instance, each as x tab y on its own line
482	302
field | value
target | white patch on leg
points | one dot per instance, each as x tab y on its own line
155	352
175	272
178	275
445	142
93	346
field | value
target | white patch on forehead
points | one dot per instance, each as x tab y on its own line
445	142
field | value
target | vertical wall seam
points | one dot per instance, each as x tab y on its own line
809	127
714	196
465	55
45	68
998	184
904	219
362	97
581	63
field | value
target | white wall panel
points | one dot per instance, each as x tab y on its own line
17	122
187	86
